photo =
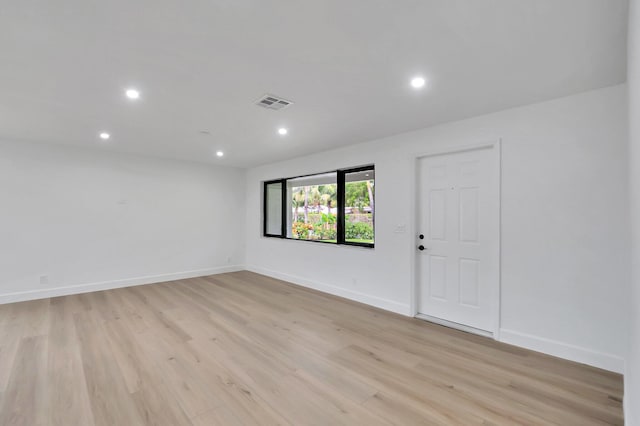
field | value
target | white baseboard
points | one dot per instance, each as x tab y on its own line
540	344
378	302
107	285
579	354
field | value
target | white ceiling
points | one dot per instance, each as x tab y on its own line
201	64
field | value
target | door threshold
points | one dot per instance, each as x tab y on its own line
455	325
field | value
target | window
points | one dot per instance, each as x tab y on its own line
313	208
273	208
359	206
334	207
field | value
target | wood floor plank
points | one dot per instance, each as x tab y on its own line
184	372
65	369
111	403
242	348
220	416
400	412
11	333
25	401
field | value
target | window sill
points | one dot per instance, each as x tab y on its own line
326	243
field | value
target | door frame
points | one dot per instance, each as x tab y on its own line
496	177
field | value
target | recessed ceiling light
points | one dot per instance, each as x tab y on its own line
219	153
104	136
282	131
418	82
132	94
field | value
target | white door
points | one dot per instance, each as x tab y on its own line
458	238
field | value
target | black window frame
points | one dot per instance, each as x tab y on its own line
340	219
283	217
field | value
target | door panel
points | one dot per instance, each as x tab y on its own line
469	209
438	277
458	210
469	281
438	218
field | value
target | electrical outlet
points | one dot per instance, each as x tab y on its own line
44	279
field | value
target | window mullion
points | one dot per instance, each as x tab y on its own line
285	206
340	216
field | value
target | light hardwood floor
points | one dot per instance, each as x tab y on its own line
241	348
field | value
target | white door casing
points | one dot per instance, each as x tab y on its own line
458	272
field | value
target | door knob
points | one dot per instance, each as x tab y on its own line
420	247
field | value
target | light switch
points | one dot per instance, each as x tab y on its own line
400	229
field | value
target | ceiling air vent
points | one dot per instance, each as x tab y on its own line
273	102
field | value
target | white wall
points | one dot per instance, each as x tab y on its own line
91	219
565	258
632	374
